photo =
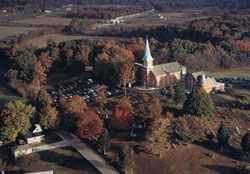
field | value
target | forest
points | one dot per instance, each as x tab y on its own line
206	44
161	5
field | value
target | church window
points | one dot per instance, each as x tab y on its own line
167	79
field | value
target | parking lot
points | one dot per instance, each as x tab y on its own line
86	88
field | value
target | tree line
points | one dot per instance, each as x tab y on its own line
157	4
208	44
105	13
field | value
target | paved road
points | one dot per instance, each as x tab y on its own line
87	153
50	146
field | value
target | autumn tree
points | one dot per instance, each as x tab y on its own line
103	142
180	96
122	117
158	138
89	125
101	99
69	55
43	66
81	59
74	107
198	103
222	135
127	74
245	142
109	64
15	120
189	128
48	117
126	161
155	108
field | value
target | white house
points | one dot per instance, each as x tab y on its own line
21	150
47	11
35	135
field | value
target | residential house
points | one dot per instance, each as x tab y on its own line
35	135
21	150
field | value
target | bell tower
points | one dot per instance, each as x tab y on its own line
147	65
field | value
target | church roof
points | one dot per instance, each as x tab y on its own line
197	75
166	68
147	55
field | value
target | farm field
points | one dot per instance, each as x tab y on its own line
13	31
44	21
42	40
61	161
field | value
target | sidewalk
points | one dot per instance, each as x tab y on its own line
50	146
87	153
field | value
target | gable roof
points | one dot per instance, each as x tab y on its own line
197	75
166	68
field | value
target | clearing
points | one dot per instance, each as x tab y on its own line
13	31
44	21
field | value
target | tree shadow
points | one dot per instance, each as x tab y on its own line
222	169
67	161
230	152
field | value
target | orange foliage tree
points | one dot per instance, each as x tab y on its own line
122	117
89	125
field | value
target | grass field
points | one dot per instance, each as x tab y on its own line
44	21
7	95
61	161
230	73
13	31
42	40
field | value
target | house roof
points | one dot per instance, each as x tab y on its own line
30	134
166	68
147	55
22	147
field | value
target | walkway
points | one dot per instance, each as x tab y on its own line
50	146
87	153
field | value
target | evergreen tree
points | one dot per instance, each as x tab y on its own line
171	93
245	142
164	91
180	96
126	159
222	135
198	103
103	143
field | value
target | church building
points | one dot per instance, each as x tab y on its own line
163	75
159	76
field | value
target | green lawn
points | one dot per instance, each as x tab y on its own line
7	94
61	160
228	75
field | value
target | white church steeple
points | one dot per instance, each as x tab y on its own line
147	58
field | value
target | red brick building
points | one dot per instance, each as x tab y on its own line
159	76
163	75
